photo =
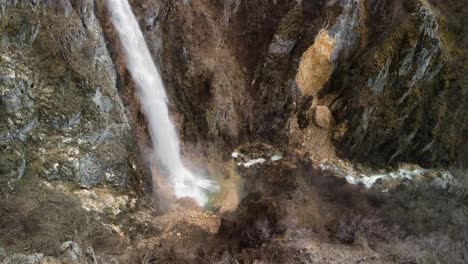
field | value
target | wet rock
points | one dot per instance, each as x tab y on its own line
187	203
150	21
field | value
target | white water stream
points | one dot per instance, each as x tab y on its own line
153	98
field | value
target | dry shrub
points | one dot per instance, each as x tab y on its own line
417	212
39	219
387	15
142	256
415	223
222	258
436	248
352	226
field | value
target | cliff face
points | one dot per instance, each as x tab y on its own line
386	69
61	114
235	70
63	128
398	96
382	81
204	81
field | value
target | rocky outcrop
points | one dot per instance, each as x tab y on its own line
332	46
63	128
381	67
386	79
396	98
61	114
316	66
240	72
206	85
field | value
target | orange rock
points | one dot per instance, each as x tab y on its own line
316	66
323	117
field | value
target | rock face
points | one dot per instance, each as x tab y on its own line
386	79
206	84
235	70
399	99
386	69
61	114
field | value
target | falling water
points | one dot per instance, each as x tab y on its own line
153	98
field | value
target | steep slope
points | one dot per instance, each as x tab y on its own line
401	96
385	69
62	120
378	82
61	112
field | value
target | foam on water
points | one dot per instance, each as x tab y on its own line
153	99
352	176
252	162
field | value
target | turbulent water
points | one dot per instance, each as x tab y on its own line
153	98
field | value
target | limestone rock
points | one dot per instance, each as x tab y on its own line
23	259
316	66
72	251
91	256
331	46
323	117
234	71
399	91
62	116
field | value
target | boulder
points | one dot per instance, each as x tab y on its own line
323	117
72	251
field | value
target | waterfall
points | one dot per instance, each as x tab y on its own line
152	96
